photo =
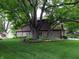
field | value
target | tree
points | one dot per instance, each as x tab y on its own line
3	22
21	12
65	11
72	26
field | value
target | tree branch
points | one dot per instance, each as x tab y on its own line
22	5
42	10
30	3
62	4
74	3
7	26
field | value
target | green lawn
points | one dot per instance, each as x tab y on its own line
12	49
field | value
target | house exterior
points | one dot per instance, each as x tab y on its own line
44	30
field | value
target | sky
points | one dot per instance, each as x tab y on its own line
39	12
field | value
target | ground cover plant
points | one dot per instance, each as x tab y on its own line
16	49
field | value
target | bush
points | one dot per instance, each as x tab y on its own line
65	37
0	38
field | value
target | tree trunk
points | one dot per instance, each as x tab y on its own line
35	34
34	29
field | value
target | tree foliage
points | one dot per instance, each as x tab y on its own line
21	12
72	26
62	12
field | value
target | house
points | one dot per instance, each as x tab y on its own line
53	34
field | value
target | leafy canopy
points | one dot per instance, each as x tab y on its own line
19	12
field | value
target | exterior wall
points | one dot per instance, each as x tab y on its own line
23	34
54	34
43	34
26	31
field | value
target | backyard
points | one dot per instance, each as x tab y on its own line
16	49
39	29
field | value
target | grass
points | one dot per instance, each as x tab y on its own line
15	49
